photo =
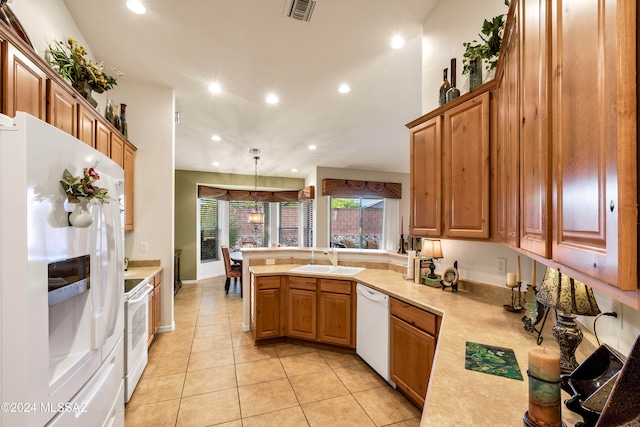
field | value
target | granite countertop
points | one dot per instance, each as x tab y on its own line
457	396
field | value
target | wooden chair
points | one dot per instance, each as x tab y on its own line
232	270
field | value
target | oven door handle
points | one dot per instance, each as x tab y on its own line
145	292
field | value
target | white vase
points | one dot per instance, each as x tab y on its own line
81	217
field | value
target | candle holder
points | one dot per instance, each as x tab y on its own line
515	306
536	312
401	249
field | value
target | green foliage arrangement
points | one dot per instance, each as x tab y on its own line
488	48
83	186
70	61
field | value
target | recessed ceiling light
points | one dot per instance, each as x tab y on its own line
397	42
215	88
136	7
344	88
294	170
272	99
215	164
312	147
216	138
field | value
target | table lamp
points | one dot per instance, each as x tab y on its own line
431	249
570	298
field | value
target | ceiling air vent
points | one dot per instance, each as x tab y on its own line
255	151
299	9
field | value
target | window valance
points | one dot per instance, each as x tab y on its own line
353	188
306	193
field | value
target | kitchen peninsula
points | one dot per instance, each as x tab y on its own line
455	396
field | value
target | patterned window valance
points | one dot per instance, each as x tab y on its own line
352	188
262	196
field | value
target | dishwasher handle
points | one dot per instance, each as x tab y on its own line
371	294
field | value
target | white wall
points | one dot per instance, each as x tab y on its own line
151	130
451	23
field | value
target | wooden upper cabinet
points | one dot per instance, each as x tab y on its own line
103	139
594	128
62	108
116	152
535	141
24	85
426	179
129	184
466	169
87	126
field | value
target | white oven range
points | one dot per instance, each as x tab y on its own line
136	312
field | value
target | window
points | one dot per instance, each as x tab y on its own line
209	229
241	231
356	222
288	226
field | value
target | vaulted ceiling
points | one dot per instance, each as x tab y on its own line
250	48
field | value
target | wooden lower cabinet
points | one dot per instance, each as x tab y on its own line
413	339
302	308
320	310
337	312
266	311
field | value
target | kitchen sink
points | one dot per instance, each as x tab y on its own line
339	270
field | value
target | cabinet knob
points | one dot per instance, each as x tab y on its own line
612	206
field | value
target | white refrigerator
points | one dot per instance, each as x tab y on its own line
61	286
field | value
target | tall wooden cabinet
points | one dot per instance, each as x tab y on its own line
594	130
568	96
451	169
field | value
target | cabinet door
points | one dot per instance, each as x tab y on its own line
62	108
466	169
103	138
426	179
86	126
24	84
302	310
116	152
335	319
595	139
535	147
412	353
267	313
129	186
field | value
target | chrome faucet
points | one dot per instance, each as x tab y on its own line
333	256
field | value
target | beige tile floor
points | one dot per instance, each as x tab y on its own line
209	373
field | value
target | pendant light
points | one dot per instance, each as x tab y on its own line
256	216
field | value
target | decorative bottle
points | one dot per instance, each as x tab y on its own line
444	87
123	120
453	92
108	111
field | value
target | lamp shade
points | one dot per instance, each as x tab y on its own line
431	249
256	217
567	295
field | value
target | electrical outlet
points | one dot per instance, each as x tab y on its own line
616	306
144	246
270	261
502	265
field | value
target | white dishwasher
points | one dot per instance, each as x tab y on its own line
372	330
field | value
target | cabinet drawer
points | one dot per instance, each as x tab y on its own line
414	316
307	283
268	282
335	286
